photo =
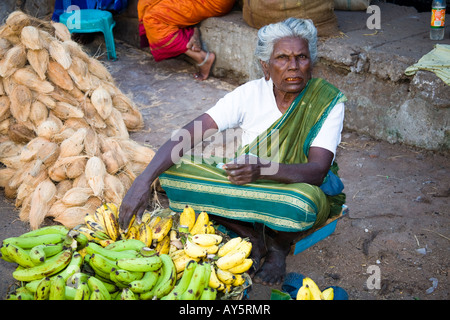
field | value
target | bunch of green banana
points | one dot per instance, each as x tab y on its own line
310	291
193	284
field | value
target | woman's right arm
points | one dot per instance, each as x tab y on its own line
137	197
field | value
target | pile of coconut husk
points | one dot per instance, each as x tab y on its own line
64	125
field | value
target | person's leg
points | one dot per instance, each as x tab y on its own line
255	233
274	268
204	61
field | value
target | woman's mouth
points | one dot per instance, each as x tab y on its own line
293	79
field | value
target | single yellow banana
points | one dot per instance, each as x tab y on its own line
145	234
194	250
240	280
211	229
206	240
201	224
328	294
187	217
98	216
163	246
245	246
92	224
214	281
243	267
162	228
225	276
182	260
231	260
228	246
154	220
176	254
303	293
114	208
146	217
211	249
111	223
133	233
316	294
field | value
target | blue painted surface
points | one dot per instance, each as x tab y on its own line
319	234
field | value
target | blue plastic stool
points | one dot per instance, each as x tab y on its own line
92	20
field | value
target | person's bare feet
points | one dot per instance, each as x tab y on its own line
273	270
205	67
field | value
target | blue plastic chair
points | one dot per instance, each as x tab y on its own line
92	20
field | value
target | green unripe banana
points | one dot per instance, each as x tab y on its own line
182	285
82	292
199	281
19	256
57	289
50	267
58	229
126	244
77	278
96	295
37	254
126	277
32	241
23	294
146	283
96	284
102	263
127	294
93	247
4	254
73	267
209	294
140	264
43	289
169	275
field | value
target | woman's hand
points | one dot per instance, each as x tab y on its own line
244	169
135	201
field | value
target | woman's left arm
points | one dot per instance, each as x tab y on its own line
250	169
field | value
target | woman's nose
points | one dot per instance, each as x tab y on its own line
293	63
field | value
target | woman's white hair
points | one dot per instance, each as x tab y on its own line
291	27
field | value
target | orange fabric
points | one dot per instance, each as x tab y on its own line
163	19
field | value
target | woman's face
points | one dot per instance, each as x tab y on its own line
289	65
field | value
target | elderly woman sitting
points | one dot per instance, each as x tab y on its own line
271	192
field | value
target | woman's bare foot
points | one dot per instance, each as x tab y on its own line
205	66
273	270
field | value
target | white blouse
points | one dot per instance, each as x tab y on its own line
252	107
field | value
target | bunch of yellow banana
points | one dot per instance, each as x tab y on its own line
310	291
192	224
103	225
153	230
232	262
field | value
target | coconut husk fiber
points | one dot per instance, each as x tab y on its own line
64	124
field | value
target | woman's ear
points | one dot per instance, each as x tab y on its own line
265	69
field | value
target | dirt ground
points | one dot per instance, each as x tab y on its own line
392	245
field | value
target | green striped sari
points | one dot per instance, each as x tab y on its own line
282	207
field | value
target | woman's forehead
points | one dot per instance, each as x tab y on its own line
290	43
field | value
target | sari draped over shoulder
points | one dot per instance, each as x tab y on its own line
167	24
293	207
